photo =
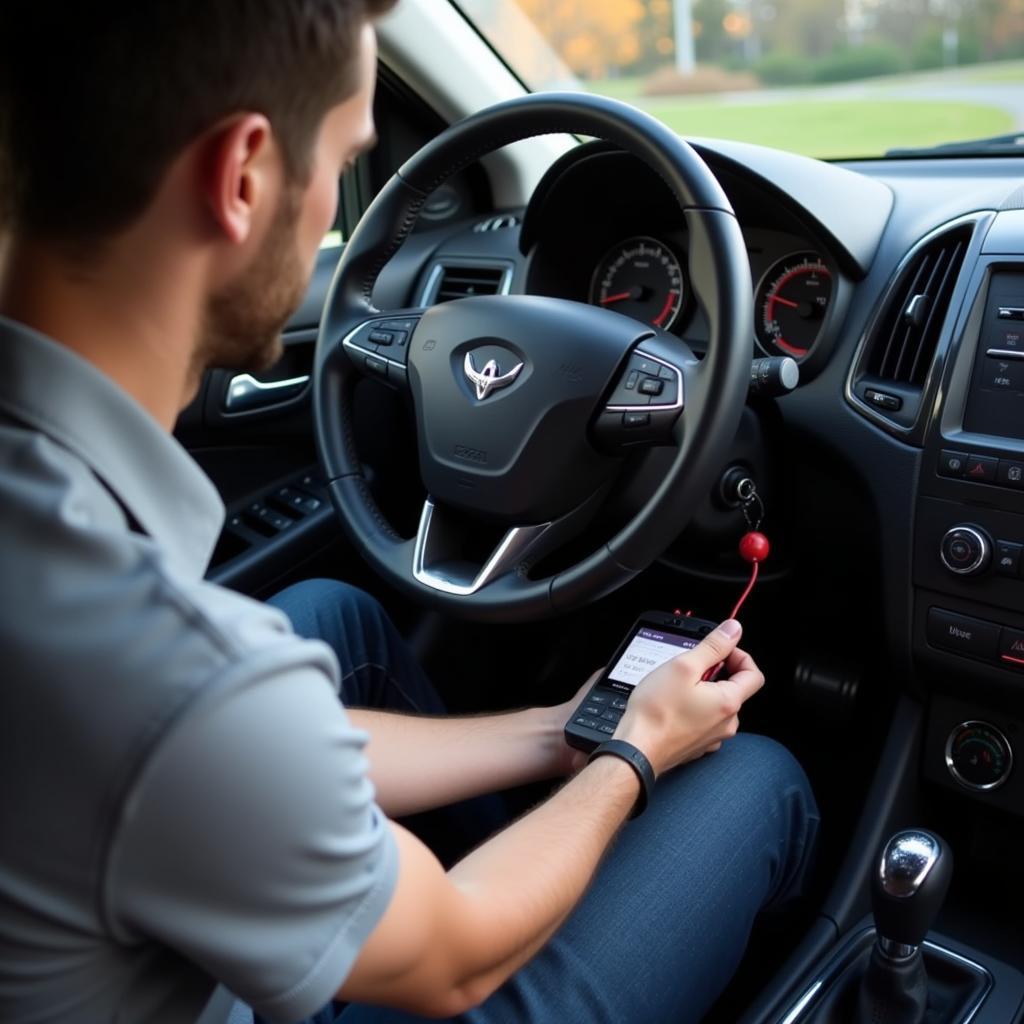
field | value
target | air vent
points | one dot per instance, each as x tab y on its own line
906	335
450	281
503	220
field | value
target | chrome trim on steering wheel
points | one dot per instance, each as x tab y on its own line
513	547
677	404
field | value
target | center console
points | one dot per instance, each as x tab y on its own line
968	558
955	748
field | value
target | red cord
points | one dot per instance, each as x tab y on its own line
746	593
754	549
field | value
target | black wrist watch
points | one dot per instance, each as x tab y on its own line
637	760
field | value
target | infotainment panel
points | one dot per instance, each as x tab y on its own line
995	405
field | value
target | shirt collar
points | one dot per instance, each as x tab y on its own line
54	390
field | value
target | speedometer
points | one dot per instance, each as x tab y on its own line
791	303
641	278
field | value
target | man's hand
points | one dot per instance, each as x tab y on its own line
447	941
569	759
673	716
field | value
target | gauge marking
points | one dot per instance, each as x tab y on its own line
642	278
791	302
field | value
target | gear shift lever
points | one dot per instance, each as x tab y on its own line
906	896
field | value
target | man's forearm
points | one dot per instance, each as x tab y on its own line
417	763
448	941
526	880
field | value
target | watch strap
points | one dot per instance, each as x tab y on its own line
637	760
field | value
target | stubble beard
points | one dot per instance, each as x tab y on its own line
243	321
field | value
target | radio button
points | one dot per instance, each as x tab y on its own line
1003	374
1011	472
965	550
1011	648
952	463
981	469
1007	558
961	633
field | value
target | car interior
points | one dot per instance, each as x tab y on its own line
889	478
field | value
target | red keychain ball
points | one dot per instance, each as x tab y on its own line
754	547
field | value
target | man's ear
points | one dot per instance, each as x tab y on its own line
240	173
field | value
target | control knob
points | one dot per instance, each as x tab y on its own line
966	550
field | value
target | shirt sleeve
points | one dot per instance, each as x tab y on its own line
252	844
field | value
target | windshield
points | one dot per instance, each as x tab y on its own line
826	78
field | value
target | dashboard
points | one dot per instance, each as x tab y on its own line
898	286
608	232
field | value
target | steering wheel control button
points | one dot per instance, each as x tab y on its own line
404	326
632	420
978	756
981	469
376	366
632	377
952	463
652	386
382	337
1011	648
962	634
1011	473
1007	558
965	550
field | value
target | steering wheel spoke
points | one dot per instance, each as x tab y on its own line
379	345
442	559
648	396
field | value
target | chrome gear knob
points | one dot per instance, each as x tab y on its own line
908	889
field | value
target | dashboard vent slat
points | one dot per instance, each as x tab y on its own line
907	333
459	281
498	223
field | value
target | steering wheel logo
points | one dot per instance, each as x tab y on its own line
490	378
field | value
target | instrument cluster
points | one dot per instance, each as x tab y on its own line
644	277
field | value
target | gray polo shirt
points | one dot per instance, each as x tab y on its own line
182	797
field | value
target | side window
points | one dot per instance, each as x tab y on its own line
404	124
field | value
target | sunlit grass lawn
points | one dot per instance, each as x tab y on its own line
837	128
830	128
1003	71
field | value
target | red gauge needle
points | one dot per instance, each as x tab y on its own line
666	309
617	297
785	302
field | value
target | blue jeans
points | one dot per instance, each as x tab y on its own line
661	930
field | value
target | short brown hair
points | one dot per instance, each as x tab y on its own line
97	98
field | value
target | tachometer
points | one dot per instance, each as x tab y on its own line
791	303
641	278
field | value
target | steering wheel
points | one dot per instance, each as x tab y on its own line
526	406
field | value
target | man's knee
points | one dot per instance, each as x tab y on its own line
751	777
763	762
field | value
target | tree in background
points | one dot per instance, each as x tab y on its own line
596	38
783	41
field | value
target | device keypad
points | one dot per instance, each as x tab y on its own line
602	712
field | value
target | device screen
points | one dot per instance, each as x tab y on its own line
648	649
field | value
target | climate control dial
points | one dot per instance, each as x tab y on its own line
966	550
978	755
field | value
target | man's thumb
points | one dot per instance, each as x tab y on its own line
717	645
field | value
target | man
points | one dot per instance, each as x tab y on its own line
185	801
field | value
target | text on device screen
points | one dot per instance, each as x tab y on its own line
646	651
